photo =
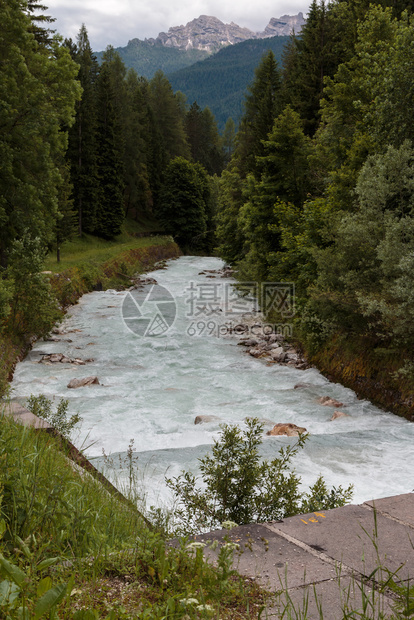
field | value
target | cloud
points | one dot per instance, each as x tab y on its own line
115	22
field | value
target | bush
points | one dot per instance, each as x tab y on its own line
242	488
42	408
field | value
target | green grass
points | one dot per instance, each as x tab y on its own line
73	550
95	251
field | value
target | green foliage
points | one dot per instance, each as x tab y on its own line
24	592
364	280
239	486
50	512
203	139
46	501
33	306
183	204
38	92
41	406
82	149
220	81
110	213
146	59
170	118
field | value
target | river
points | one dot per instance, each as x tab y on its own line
153	386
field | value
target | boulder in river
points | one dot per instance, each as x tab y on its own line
289	429
338	414
203	419
77	383
300	386
327	401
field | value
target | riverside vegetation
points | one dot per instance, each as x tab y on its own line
318	189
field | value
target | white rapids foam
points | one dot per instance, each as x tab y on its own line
153	387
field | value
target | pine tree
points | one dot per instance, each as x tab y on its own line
41	32
262	105
82	151
182	208
170	117
38	92
138	148
110	214
309	59
204	139
229	139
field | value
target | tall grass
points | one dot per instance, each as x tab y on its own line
69	549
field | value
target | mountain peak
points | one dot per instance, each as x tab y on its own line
209	34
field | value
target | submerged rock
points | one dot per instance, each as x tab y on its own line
203	419
338	414
300	386
327	401
77	383
289	429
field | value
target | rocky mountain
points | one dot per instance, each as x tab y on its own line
283	26
209	34
182	46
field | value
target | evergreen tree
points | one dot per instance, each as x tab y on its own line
170	117
262	105
82	151
66	220
204	139
261	108
138	195
38	92
182	208
229	140
39	28
309	59
110	214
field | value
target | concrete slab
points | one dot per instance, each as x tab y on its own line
269	558
331	598
23	416
399	507
356	537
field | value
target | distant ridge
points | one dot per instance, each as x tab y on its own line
220	81
209	34
182	46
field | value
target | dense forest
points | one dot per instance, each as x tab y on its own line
146	59
220	81
316	188
320	188
83	146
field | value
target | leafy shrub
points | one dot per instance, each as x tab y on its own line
33	307
241	487
42	408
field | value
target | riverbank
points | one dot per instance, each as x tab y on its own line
91	265
372	374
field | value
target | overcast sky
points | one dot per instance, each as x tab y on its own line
115	22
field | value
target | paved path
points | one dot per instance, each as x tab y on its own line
328	560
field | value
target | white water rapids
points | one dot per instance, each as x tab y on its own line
152	388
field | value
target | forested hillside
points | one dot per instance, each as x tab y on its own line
220	81
320	191
318	187
84	147
146	59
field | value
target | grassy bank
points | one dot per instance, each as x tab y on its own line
88	264
69	549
